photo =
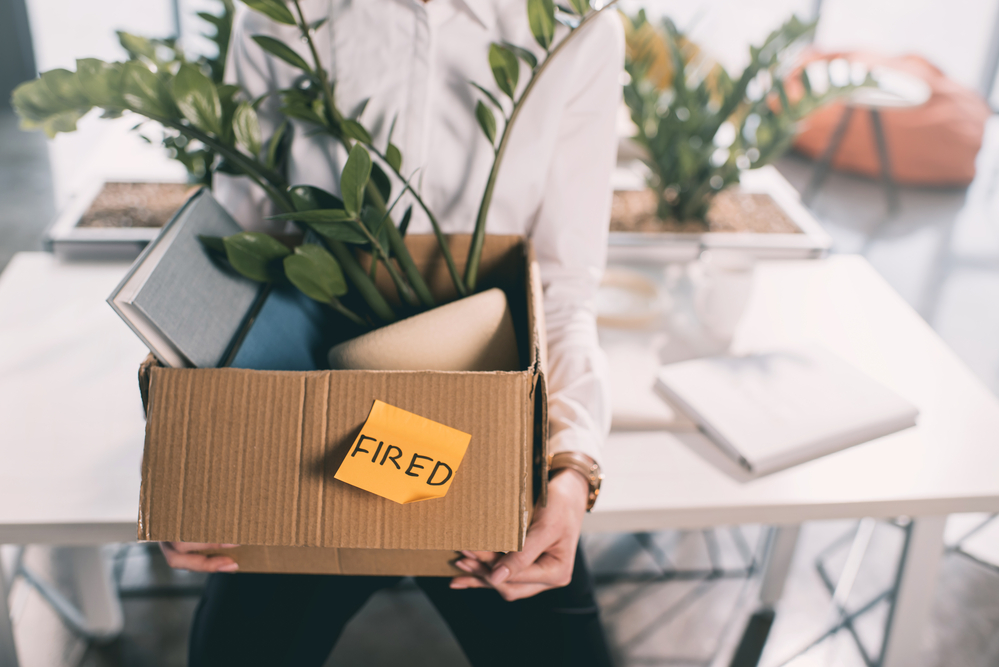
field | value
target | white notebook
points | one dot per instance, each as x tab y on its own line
773	410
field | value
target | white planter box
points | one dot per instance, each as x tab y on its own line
813	241
68	240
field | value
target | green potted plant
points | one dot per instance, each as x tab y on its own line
210	125
699	132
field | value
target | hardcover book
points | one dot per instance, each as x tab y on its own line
773	410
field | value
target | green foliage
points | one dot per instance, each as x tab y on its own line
541	18
700	127
506	68
354	179
212	127
276	10
276	47
223	33
394	157
487	121
198	99
254	254
246	127
53	102
315	272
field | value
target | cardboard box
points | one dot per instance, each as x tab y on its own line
246	457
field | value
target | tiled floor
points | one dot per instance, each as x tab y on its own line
941	252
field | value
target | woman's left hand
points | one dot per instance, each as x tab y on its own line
549	548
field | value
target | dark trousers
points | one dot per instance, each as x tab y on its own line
295	620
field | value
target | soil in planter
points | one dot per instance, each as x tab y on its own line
731	211
135	204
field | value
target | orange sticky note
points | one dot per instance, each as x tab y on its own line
402	456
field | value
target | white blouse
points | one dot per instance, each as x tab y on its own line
413	62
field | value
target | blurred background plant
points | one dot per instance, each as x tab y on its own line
698	127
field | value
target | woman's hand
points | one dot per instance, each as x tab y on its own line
180	555
549	549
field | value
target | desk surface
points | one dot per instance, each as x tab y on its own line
948	463
71	423
72	426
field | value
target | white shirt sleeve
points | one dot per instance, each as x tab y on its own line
570	239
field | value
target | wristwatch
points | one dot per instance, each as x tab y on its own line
582	464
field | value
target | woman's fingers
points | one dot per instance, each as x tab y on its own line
473	567
181	556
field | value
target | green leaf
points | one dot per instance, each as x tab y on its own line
355	131
582	7
339	231
315	216
251	253
302	111
315	272
141	90
100	82
64	88
137	46
523	54
541	17
492	98
506	68
487	121
198	99
372	219
53	102
278	146
278	48
404	224
394	157
354	178
275	9
246	127
316	25
213	243
381	181
310	198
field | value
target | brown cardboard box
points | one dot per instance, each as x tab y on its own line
248	457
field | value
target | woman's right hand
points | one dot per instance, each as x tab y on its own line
180	555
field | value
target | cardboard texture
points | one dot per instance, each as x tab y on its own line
249	457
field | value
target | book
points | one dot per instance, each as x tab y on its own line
189	308
773	410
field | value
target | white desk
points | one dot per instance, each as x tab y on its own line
71	424
72	428
948	463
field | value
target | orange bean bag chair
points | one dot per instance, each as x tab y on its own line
933	144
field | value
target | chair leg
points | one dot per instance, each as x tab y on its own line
824	162
8	650
891	190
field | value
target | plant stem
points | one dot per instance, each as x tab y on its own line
459	284
361	281
400	250
270	182
479	235
378	252
332	113
405	260
347	312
